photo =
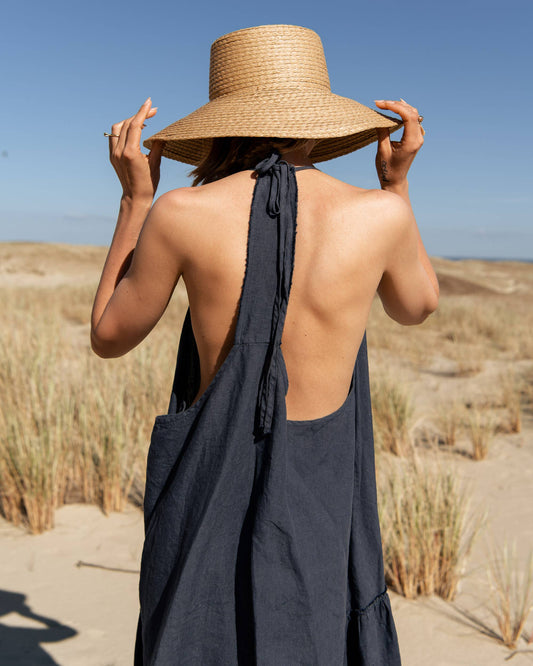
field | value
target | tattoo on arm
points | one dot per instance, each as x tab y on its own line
384	172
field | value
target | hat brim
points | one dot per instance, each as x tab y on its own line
340	124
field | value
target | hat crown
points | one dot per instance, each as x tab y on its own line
270	57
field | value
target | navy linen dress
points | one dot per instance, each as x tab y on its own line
262	540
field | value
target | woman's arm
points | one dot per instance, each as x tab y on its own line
403	191
409	259
133	295
141	270
405	289
130	220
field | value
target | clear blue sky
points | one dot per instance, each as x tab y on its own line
71	69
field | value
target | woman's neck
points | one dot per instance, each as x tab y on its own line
297	158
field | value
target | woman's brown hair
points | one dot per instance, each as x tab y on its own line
229	155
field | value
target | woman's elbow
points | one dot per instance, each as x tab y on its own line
430	307
104	347
433	303
98	346
413	316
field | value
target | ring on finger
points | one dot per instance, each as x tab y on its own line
116	136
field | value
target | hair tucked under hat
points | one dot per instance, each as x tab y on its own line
272	81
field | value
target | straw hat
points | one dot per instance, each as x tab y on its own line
272	81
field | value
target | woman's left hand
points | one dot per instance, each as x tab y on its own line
138	173
394	158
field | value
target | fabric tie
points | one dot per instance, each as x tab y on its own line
281	206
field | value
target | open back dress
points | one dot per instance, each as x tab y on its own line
262	539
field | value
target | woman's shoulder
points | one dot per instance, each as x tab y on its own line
206	208
236	188
209	195
182	199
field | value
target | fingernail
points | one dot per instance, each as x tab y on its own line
402	100
149	98
379	101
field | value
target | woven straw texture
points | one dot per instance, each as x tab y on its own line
272	81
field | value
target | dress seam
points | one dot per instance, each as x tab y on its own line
362	611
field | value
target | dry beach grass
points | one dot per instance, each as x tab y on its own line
453	418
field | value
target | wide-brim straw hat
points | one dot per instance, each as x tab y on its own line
272	81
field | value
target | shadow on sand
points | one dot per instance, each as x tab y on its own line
22	645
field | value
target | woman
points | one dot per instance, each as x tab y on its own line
262	540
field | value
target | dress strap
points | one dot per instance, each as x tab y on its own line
268	276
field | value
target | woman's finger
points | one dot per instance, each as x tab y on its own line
384	144
401	107
118	142
412	135
113	140
154	156
121	141
135	128
154	160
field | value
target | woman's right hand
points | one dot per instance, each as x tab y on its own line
138	173
394	158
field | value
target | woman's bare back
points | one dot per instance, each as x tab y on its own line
350	244
339	260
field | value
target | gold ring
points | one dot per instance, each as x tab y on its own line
113	135
420	119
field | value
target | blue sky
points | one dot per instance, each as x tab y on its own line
71	69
